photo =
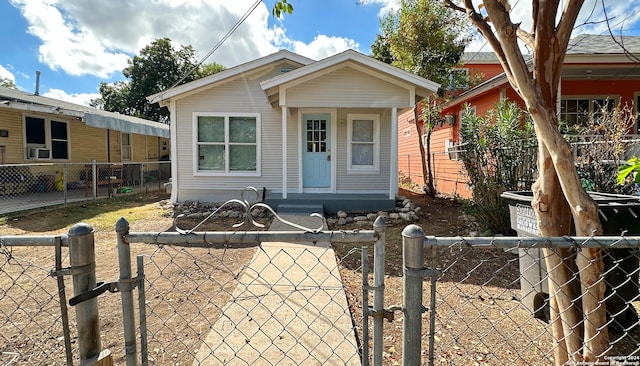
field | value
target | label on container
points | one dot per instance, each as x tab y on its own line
526	220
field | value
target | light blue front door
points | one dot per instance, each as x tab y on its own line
316	150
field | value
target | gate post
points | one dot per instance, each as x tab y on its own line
379	227
126	288
82	259
413	260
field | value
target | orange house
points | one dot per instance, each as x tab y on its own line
596	69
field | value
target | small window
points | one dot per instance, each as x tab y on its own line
364	143
126	146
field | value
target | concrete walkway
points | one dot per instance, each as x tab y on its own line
289	308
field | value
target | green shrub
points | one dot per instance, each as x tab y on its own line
499	154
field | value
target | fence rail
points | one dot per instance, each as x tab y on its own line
28	186
248	297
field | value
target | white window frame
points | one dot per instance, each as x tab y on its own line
364	169
226	172
590	98
47	137
124	147
453	149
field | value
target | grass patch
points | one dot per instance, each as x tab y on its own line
101	214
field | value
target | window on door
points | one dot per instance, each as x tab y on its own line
227	144
46	138
363	153
316	135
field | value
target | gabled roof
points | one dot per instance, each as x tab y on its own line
194	86
16	99
426	87
585	48
586	44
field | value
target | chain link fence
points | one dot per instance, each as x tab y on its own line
246	298
33	319
193	299
28	186
260	297
487	299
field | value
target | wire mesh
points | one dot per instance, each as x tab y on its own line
30	314
266	305
493	302
28	186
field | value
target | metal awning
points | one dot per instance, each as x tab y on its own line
123	124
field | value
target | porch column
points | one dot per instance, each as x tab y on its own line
393	167
174	151
284	151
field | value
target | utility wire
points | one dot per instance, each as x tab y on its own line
212	50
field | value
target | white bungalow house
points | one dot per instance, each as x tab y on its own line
300	131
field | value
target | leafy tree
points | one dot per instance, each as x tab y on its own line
158	67
428	39
281	7
381	50
6	82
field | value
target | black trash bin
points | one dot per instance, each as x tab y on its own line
618	214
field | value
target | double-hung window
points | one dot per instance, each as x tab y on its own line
227	144
363	153
46	138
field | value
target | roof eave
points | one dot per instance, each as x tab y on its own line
183	89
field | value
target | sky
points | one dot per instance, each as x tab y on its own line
77	44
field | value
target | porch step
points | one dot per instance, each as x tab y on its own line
292	208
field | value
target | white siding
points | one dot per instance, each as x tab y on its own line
347	87
363	182
239	96
345	90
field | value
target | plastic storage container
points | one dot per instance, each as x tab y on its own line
618	214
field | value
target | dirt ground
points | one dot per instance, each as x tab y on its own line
480	320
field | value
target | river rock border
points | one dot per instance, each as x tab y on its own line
404	212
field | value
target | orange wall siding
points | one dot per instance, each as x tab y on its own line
488	70
409	159
449	177
622	88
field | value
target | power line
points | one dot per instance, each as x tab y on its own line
217	45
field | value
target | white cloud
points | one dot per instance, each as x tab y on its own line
323	46
6	74
66	45
385	5
85	37
82	99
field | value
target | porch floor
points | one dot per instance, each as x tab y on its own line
332	202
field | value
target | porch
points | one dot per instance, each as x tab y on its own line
329	202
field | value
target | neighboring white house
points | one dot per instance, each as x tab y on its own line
292	127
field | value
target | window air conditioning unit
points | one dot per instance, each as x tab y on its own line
39	153
451	149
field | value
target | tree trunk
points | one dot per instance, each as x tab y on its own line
558	196
427	175
558	192
430	185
